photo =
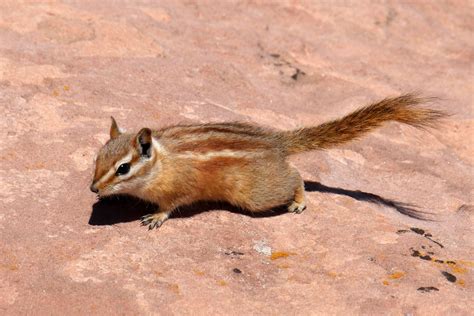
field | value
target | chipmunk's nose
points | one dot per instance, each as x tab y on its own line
93	188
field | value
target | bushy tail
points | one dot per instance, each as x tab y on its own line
403	109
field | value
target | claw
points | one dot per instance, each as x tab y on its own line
155	224
296	207
153	220
146	222
147	219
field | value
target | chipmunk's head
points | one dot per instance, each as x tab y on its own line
125	162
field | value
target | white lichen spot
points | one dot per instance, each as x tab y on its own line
83	158
262	247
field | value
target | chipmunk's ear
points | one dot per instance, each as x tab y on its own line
143	142
114	129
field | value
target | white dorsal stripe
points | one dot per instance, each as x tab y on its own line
221	153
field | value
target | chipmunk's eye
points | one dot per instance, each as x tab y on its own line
123	169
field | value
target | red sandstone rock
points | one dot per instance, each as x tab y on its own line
65	68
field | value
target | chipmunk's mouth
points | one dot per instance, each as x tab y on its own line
102	194
108	191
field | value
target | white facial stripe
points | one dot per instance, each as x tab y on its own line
126	183
133	169
147	178
125	159
106	176
157	147
112	170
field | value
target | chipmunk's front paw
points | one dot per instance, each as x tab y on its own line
296	207
154	220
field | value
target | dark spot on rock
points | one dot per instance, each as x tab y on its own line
236	270
428	235
416	253
5	83
430	252
466	208
419	231
439	261
275	55
436	242
402	231
297	74
426	289
449	276
423	247
234	253
390	16
450	262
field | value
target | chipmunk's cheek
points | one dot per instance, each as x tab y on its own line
106	190
122	187
117	188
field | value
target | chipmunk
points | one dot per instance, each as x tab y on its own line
239	163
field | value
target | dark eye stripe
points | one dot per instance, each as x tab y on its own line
123	169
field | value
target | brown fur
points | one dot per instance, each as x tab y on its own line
220	143
240	163
403	109
112	151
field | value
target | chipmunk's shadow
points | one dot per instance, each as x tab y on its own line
119	209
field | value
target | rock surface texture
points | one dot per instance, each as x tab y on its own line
66	67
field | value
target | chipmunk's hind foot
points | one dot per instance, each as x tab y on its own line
154	220
297	207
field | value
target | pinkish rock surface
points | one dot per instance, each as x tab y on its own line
66	67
